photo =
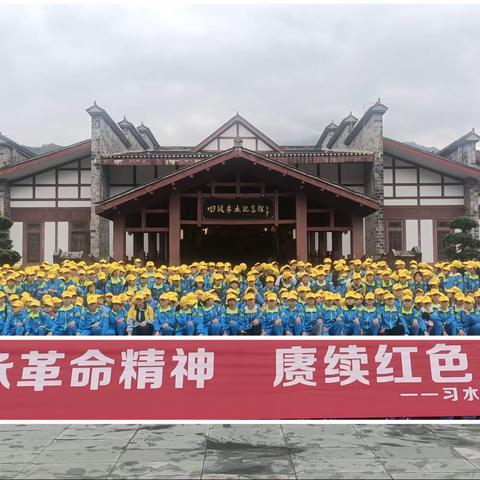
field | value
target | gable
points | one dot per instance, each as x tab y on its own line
237	128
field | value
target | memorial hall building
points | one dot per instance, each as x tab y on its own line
237	194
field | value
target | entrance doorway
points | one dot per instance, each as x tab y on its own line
239	243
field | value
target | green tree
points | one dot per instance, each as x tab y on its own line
462	245
7	254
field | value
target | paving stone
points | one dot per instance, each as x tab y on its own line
373	441
97	433
67	470
393	430
106	426
92	444
142	469
328	430
308	453
334	474
77	456
415	452
256	463
311	437
10	470
180	437
163	455
33	428
339	468
220	437
436	475
16	455
424	465
468	453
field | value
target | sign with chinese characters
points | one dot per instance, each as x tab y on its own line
200	378
237	208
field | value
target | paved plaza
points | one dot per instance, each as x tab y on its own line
240	451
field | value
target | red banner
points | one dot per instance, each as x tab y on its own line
180	378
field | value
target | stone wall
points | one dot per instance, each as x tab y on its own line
465	153
104	140
370	138
9	155
4	198
471	201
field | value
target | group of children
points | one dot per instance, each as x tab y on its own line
334	298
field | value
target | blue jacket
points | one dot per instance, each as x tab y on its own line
15	324
115	287
162	317
330	315
63	317
444	321
110	324
39	325
270	317
233	320
89	319
188	322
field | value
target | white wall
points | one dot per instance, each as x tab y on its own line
426	233
49	241
62	240
129	245
346	245
411	234
16	234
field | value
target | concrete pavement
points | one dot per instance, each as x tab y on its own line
240	451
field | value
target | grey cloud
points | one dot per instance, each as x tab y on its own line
290	70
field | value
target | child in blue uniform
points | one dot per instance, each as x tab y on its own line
188	320
91	321
232	317
115	320
67	318
273	324
37	322
15	324
164	323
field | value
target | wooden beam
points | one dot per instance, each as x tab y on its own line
357	236
119	238
301	225
174	229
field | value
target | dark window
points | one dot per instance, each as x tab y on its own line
80	237
33	243
395	235
441	231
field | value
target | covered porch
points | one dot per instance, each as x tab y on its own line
237	206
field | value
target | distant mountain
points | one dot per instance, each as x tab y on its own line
46	148
423	147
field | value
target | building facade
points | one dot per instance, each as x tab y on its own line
236	195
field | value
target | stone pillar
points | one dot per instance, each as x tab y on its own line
107	137
4	198
174	229
301	225
471	195
99	226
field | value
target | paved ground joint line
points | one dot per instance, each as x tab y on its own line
123	451
289	451
206	436
39	453
370	449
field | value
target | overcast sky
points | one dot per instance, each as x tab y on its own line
289	70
